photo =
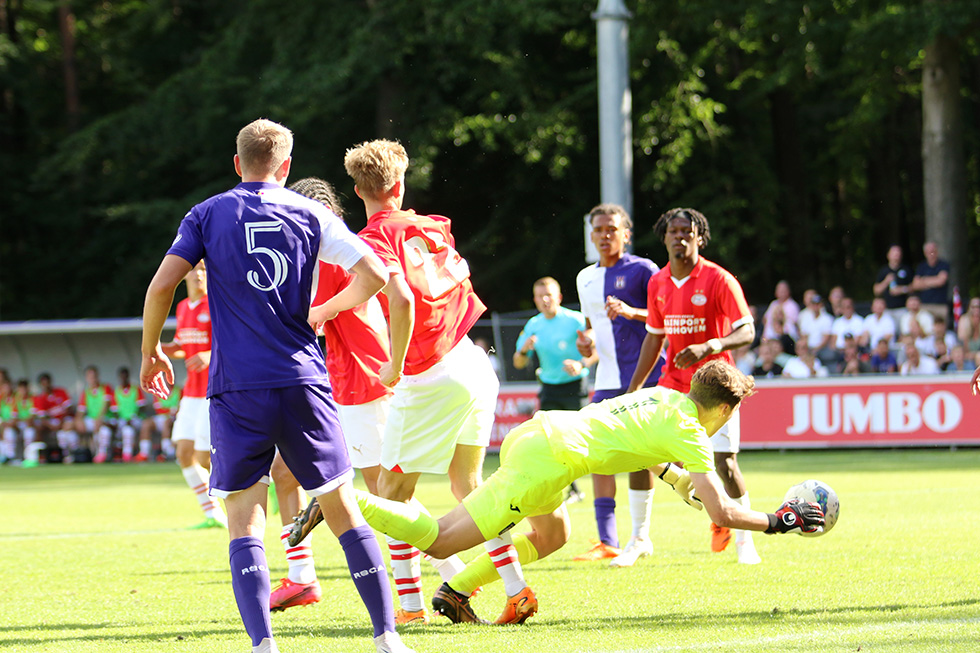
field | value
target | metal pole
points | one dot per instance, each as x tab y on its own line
615	104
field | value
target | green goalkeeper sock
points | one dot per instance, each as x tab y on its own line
482	572
402	521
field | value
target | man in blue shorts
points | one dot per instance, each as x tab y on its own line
268	381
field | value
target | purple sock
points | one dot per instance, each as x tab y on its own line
367	569
250	581
605	519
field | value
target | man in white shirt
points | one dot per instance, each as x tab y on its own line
816	327
916	363
878	325
849	322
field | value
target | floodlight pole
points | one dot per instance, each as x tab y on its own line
615	104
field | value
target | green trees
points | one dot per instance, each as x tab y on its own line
796	128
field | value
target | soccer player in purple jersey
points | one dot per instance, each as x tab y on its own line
612	294
268	381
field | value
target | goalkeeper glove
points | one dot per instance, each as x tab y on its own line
679	479
796	514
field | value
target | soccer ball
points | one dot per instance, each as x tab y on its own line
821	494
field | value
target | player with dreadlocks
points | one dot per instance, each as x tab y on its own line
700	309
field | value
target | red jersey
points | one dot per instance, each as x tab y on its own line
707	304
194	336
357	342
422	248
54	404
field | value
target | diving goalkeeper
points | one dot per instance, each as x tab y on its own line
539	459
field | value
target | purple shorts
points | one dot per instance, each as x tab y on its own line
301	421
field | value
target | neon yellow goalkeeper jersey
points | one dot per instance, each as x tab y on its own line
629	433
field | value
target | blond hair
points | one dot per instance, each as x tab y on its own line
718	382
375	166
262	147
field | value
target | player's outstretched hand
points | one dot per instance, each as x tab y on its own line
680	480
157	374
975	381
796	514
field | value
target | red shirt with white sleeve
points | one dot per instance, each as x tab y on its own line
422	248
54	404
706	304
194	336
357	342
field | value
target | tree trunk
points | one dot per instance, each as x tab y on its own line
943	163
66	26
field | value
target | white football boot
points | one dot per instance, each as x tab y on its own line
636	548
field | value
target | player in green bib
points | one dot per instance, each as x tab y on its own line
538	459
128	402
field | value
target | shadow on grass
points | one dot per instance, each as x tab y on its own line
192	633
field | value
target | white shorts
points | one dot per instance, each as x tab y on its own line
364	429
728	437
450	403
193	422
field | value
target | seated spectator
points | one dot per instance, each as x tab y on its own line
938	342
851	363
968	330
805	364
779	352
786	341
878	325
957	360
744	359
766	366
914	312
915	363
883	360
848	322
834	298
816	327
931	281
785	306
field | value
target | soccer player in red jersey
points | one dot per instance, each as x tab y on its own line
442	411
191	433
700	309
356	349
51	407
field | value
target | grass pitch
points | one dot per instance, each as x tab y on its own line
96	558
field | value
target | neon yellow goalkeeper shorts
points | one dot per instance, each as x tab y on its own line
529	482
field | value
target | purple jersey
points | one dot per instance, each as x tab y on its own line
261	243
617	341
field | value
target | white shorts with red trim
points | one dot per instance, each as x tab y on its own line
729	436
364	429
450	403
193	422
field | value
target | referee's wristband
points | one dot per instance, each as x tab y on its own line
714	345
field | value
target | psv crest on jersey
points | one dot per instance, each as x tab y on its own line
698	299
620	282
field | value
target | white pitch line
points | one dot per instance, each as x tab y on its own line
838	633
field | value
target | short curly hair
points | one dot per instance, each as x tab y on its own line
696	218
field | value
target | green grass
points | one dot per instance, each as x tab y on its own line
95	558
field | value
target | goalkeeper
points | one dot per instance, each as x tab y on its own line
538	460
